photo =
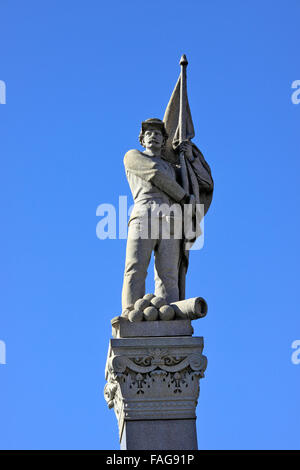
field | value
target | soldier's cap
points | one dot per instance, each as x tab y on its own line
156	123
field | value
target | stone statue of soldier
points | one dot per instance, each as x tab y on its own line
154	183
154	364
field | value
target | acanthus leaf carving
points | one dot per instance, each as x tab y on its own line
143	381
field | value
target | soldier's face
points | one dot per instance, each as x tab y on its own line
153	138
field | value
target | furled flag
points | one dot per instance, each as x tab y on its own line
196	176
172	117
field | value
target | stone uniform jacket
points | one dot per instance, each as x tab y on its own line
151	179
154	179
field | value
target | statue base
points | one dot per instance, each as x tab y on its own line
152	374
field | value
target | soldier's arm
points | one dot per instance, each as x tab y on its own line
146	169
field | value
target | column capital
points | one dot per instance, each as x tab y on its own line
154	378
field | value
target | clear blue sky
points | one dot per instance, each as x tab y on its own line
80	78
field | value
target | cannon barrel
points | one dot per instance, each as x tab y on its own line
191	309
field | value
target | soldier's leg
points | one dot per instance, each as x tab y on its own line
167	255
138	255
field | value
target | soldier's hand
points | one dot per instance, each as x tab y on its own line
187	149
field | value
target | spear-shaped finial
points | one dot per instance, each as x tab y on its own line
183	60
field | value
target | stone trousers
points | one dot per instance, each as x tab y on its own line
138	255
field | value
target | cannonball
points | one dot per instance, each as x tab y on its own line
166	313
141	304
158	302
125	312
135	315
151	314
149	297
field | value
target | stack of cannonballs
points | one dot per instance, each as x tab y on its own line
150	308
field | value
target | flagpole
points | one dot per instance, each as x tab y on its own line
182	121
184	176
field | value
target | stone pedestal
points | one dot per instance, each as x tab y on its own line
153	383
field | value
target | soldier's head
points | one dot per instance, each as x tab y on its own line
153	135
